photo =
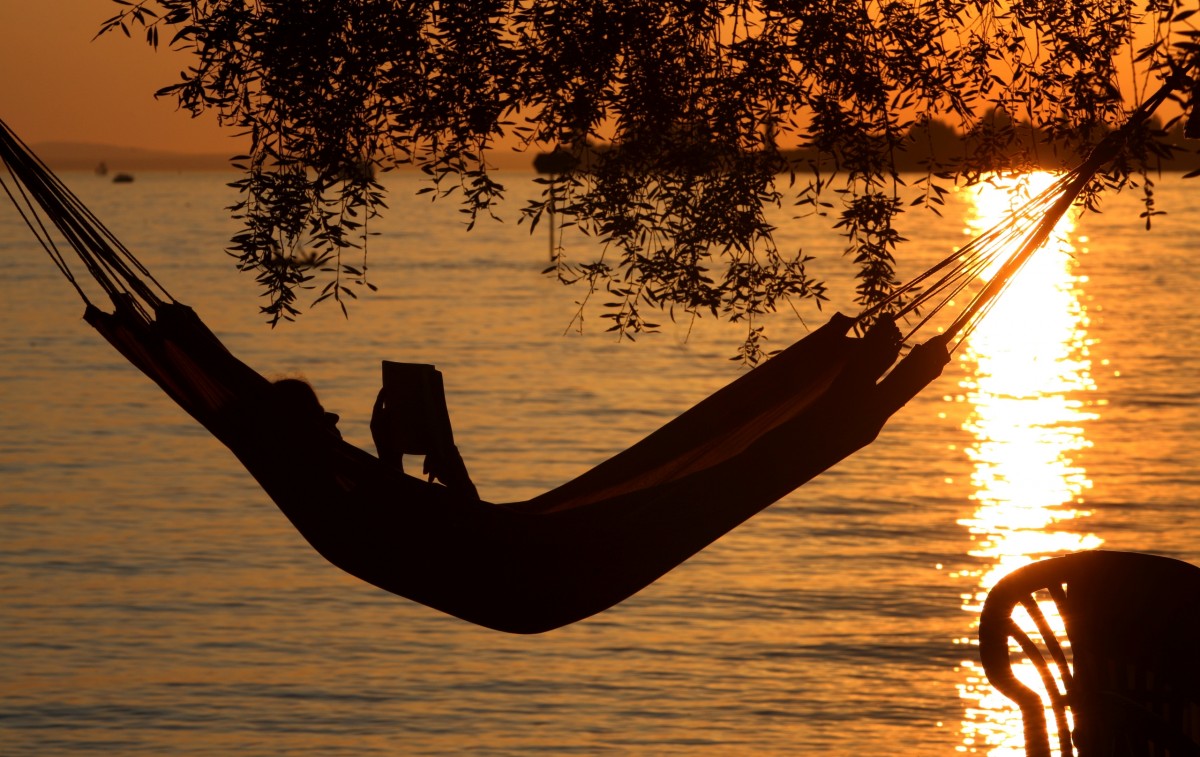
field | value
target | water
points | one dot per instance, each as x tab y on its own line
154	601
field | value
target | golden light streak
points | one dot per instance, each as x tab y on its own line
1028	371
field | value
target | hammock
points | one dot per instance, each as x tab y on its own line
528	567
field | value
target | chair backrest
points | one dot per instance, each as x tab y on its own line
1122	673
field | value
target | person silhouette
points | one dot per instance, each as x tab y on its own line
399	427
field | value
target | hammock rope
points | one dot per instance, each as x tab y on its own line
580	548
41	194
1015	238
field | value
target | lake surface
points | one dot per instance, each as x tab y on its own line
154	601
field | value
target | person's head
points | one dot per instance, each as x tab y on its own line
299	394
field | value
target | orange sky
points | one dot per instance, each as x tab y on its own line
56	84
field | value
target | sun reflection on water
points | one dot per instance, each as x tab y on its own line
1028	373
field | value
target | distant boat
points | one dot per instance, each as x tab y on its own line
123	178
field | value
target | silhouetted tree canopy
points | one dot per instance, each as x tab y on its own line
683	123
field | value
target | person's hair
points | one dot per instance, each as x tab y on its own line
298	393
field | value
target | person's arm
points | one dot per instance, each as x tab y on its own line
388	432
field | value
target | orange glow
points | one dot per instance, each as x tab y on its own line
1028	369
61	85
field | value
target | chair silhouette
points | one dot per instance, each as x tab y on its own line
1122	673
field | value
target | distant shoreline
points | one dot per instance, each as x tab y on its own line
84	156
88	156
115	159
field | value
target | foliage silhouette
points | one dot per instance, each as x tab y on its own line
710	115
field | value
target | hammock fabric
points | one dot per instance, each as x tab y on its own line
527	567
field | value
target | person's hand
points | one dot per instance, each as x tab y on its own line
447	466
388	433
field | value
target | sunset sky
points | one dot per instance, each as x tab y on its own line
59	85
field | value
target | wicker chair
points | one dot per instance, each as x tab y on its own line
1127	668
